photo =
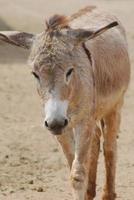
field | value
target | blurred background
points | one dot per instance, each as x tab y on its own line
32	165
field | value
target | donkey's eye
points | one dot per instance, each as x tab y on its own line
68	75
35	75
69	72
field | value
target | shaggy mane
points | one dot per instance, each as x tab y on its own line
57	21
62	21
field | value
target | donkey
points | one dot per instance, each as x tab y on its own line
82	68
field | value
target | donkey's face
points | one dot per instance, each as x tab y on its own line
53	63
55	86
55	56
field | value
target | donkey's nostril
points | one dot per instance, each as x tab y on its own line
46	124
66	122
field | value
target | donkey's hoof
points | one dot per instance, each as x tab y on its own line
107	196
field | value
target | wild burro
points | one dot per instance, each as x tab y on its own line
82	68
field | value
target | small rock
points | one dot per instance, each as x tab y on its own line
31	182
11	191
6	156
40	189
22	188
55	150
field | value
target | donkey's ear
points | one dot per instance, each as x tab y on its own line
82	35
20	39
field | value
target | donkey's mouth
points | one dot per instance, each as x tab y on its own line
56	131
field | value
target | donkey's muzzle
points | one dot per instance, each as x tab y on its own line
56	126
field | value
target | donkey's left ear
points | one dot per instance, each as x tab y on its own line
20	39
82	35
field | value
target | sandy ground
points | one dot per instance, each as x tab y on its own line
32	165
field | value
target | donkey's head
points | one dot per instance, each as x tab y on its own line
55	57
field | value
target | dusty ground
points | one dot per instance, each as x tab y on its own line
31	165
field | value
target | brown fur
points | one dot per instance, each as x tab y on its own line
57	22
103	62
62	21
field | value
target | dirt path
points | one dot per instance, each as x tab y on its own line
31	163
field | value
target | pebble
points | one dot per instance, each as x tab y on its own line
40	189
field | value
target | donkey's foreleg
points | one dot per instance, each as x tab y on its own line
93	162
66	141
79	172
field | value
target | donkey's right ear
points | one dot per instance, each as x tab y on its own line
20	39
82	35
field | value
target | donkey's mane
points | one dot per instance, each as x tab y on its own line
56	22
61	21
50	46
